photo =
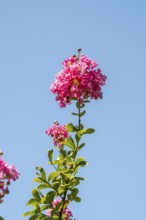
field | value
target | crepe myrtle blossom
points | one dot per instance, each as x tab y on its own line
66	211
58	133
7	173
79	78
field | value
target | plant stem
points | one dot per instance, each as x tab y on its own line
54	166
63	199
79	113
65	193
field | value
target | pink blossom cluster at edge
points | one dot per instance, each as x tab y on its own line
58	133
7	173
78	79
66	211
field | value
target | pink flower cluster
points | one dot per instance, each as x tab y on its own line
66	211
78	79
7	173
58	132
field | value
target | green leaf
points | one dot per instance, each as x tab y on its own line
40	217
34	217
54	162
81	162
72	154
62	154
56	179
55	217
75	191
77	199
26	214
44	207
50	155
42	171
54	212
48	198
76	114
70	128
68	158
75	99
77	137
67	175
79	178
69	142
81	146
81	132
83	113
52	175
33	202
89	131
84	131
39	180
43	186
86	101
82	105
78	105
45	218
61	189
35	193
55	185
73	183
37	209
81	126
73	194
80	159
70	197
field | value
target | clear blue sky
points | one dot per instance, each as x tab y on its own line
35	36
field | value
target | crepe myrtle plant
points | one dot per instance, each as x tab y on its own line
79	81
7	174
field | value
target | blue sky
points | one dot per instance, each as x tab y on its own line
35	37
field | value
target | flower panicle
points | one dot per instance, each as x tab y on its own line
7	174
79	78
66	211
58	133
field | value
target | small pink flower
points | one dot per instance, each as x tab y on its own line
55	202
48	212
58	133
66	211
